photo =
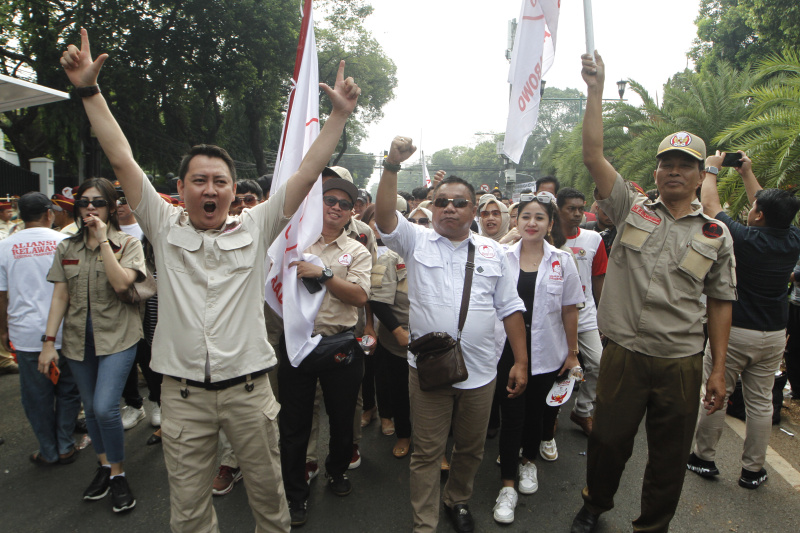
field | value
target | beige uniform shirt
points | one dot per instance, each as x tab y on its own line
117	325
390	286
210	288
349	260
658	269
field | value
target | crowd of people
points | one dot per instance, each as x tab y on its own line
654	305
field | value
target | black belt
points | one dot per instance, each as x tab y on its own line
221	385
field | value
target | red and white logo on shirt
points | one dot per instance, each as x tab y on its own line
486	251
346	259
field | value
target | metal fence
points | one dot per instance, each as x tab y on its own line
16	181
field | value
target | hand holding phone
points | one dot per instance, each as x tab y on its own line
55	372
732	159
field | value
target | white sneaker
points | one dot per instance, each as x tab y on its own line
504	508
548	450
528	483
131	416
155	416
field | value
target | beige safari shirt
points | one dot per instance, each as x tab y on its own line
210	288
117	326
390	286
349	260
658	269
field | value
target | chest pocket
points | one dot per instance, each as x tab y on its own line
430	278
240	250
697	260
185	241
635	235
102	287
484	281
402	281
555	294
71	273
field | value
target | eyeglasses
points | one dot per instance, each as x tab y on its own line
543	197
487	214
458	203
420	221
97	202
122	201
344	205
248	199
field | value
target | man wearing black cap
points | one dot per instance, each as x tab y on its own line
345	274
25	294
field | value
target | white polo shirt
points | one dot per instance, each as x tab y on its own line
436	271
590	254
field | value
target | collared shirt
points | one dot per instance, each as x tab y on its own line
210	288
350	261
658	269
390	286
557	284
590	256
117	326
436	270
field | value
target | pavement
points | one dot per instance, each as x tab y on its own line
48	499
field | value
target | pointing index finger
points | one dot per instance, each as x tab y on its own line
85	42
340	73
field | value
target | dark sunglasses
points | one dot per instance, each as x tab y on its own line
249	199
486	214
344	205
420	221
458	203
97	202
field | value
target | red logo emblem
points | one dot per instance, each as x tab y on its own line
646	214
712	230
681	139
486	251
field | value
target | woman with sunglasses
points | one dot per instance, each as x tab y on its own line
494	218
421	216
101	332
549	285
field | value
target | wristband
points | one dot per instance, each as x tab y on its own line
391	167
85	92
103	242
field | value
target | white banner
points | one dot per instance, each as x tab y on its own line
284	292
532	56
425	176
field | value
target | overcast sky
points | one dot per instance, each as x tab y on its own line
452	70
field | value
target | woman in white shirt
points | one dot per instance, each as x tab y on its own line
549	285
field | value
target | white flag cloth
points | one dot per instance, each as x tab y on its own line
426	177
284	292
532	56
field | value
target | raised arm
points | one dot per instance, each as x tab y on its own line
751	185
386	197
709	196
344	97
83	72
603	174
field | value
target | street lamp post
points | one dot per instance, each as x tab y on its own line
621	84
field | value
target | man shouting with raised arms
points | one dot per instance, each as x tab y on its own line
210	342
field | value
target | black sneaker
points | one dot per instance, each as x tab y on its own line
701	467
340	485
297	512
121	494
752	480
98	488
461	518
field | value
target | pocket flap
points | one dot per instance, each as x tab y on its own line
555	288
272	408
234	240
171	429
488	268
704	249
429	260
185	238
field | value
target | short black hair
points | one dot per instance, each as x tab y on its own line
208	150
779	207
566	193
265	182
406	195
548	179
250	186
420	193
456	179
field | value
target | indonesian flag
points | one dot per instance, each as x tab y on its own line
532	56
284	293
425	176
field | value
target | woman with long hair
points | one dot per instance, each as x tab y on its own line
90	270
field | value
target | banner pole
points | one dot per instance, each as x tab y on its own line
588	23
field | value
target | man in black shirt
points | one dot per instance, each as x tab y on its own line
766	251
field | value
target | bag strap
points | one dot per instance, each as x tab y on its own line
462	317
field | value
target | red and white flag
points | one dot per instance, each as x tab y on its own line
284	293
533	53
425	176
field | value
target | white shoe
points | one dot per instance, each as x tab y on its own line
548	450
155	416
131	416
504	508
528	483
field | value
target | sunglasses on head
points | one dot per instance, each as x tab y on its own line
420	221
248	199
122	201
344	205
486	214
97	202
543	197
457	202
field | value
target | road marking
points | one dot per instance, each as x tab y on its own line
778	463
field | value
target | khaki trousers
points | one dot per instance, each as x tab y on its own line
190	428
756	356
630	386
431	416
591	350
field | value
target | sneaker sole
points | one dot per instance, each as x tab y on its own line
132	425
527	491
311	476
503	520
126	508
702	471
751	484
98	497
548	457
355	464
226	490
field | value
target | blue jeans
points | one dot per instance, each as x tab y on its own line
51	409
101	380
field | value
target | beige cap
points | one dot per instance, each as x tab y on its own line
339	171
683	141
401	205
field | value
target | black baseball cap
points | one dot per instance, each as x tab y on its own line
33	204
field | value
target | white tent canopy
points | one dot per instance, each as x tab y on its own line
16	94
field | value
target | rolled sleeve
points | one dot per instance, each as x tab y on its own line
619	202
404	237
720	283
133	258
360	269
152	213
506	297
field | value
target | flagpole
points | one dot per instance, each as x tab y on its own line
587	21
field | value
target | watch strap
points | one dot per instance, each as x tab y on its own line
391	167
712	170
85	92
46	338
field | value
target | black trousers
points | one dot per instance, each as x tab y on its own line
793	349
298	387
391	379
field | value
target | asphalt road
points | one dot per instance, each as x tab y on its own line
48	499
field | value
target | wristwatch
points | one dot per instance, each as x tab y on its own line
327	274
45	338
85	92
712	170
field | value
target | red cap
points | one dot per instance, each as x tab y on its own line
67	204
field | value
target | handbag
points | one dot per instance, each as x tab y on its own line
139	291
440	362
335	351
